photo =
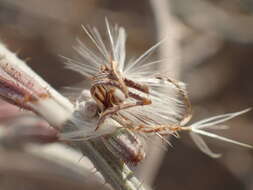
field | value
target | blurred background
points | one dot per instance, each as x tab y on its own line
209	47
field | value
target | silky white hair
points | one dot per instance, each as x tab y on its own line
166	107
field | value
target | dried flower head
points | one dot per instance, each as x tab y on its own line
133	95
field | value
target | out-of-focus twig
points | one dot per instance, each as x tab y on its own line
205	16
199	49
167	27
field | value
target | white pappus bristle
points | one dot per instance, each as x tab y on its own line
200	127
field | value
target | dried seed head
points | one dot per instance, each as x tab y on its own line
167	109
